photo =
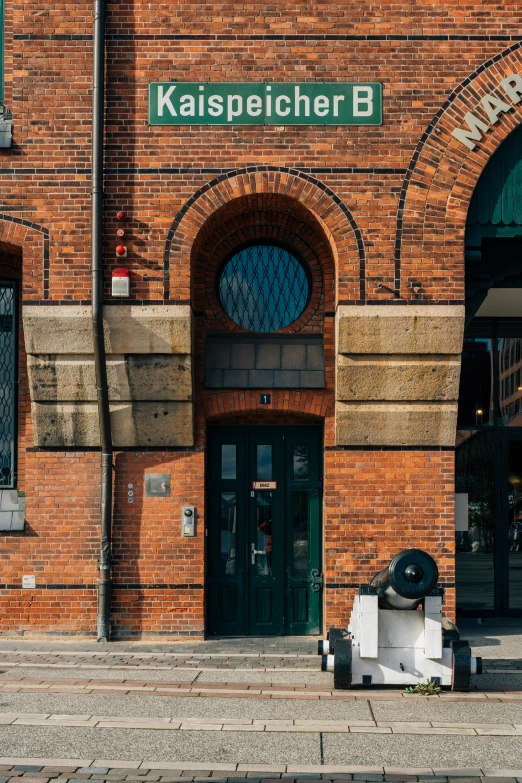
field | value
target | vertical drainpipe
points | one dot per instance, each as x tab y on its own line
102	389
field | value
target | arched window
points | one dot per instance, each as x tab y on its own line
263	288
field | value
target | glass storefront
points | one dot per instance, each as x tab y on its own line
488	470
475	547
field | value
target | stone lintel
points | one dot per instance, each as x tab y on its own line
396	424
131	377
133	424
429	377
12	510
400	329
145	329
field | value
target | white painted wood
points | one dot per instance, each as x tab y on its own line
386	670
401	628
398	647
369	617
355	622
433	626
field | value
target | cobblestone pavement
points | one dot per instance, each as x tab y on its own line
250	689
279	646
76	770
248	710
296	661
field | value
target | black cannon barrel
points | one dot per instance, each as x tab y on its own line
410	577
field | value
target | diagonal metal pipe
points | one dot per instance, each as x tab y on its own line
102	388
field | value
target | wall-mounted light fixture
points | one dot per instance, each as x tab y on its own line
120	282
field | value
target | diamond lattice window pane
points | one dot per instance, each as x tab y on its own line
7	383
264	288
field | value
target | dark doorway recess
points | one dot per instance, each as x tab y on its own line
264	499
488	470
488	460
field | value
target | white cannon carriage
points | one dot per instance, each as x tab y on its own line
396	634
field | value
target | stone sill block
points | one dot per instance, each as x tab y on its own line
264	379
271	361
12	511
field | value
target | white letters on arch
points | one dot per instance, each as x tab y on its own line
493	108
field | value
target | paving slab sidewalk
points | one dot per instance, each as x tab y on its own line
218	697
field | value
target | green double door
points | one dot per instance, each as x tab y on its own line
264	531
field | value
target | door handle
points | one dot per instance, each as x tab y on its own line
255	552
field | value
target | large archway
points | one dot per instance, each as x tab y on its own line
489	436
24	275
269	390
304	222
440	181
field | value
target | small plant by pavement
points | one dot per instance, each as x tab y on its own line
427	688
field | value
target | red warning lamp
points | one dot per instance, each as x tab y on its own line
121	251
120	282
121	215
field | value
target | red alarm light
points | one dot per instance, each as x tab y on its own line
121	251
120	282
121	215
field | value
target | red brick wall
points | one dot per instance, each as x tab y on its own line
59	546
158	574
377	503
365	167
385	204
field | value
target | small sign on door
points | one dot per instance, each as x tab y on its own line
264	485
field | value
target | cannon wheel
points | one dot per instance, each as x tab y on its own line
461	667
343	664
333	635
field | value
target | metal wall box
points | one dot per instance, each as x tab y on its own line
157	485
188	521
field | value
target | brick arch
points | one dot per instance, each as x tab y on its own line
262	217
439	183
336	220
32	240
224	406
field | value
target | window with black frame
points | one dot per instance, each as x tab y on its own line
264	288
8	386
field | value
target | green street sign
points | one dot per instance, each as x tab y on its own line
256	103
